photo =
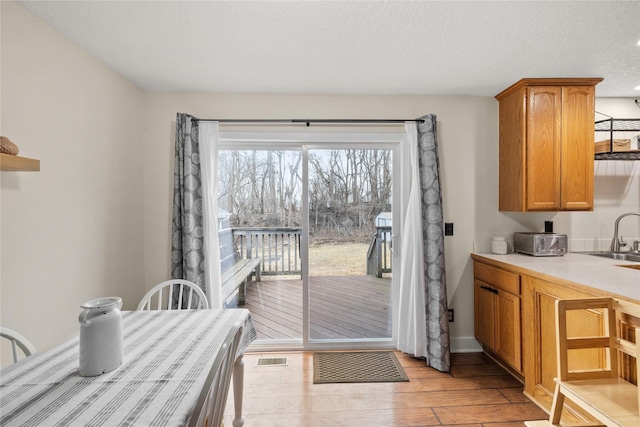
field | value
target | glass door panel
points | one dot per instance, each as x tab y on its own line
349	282
259	211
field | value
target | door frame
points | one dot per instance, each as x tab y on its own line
323	139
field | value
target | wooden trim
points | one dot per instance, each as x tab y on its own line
590	81
17	163
498	360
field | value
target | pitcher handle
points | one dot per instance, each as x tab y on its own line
83	318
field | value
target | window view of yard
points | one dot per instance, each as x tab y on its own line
338	259
260	204
349	192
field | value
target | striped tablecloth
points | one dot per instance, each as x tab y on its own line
167	357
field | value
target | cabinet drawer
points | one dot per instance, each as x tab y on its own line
505	280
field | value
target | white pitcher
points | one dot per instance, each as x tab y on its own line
101	348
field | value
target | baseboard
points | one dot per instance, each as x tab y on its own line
464	345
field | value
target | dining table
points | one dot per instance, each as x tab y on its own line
168	355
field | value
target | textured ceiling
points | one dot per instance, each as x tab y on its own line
348	47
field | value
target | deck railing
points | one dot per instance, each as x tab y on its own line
379	253
277	247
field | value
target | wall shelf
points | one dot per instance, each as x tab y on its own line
612	125
17	163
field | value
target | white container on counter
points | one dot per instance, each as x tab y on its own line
499	246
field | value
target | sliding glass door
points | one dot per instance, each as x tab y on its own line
319	218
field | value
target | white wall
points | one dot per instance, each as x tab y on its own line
73	231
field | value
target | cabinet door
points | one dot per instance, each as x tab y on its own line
512	158
544	105
484	309
577	148
508	341
539	351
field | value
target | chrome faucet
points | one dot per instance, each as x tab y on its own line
617	242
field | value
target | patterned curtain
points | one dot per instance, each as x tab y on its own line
422	325
187	237
438	353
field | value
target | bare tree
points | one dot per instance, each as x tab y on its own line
347	189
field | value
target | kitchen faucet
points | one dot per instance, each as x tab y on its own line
617	242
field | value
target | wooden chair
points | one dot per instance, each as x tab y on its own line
601	391
17	342
189	296
209	409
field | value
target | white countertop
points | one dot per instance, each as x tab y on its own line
593	271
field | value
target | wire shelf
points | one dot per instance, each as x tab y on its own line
618	125
612	125
620	155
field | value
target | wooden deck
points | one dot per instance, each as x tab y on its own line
344	307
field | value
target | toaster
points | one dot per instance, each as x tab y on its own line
540	244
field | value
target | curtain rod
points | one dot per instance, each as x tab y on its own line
309	121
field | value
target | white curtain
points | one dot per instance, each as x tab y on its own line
209	137
411	324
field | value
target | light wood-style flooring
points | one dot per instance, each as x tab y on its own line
476	393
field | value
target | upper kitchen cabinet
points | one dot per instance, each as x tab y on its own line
547	145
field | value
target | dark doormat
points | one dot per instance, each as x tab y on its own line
357	367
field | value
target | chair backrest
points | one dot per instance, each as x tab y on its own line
187	295
17	342
209	409
613	342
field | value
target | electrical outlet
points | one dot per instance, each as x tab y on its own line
448	229
450	314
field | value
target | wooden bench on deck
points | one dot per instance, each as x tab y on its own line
236	270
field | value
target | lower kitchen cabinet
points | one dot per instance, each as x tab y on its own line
539	337
497	313
515	322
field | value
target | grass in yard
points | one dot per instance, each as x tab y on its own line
338	259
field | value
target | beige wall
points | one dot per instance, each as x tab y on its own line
468	143
73	231
96	220
466	125
616	191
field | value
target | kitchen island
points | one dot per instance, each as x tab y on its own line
514	306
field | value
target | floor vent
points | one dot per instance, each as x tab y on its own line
272	361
